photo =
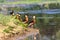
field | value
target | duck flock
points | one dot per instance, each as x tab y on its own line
25	20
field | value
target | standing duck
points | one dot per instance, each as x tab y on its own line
12	13
26	19
31	23
18	16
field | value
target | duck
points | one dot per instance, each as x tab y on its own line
12	13
31	23
18	16
26	19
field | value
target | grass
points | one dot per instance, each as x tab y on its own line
11	30
31	1
23	2
4	19
58	35
10	23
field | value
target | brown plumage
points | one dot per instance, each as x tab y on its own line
31	23
26	19
18	17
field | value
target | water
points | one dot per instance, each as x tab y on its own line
46	11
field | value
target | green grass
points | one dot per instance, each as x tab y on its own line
7	30
6	19
58	35
10	23
23	2
31	1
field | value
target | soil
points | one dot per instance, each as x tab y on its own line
17	36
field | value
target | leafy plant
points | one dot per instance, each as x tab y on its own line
19	23
7	30
4	19
10	28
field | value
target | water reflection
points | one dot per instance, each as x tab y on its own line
46	11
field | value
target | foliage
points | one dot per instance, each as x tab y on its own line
4	19
7	30
30	1
23	2
17	22
58	35
36	7
11	22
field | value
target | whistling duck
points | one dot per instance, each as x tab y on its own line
18	17
12	13
32	22
26	19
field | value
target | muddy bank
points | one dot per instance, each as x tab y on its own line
31	34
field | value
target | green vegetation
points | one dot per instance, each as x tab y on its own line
29	1
43	24
8	29
58	35
23	2
11	23
4	19
36	7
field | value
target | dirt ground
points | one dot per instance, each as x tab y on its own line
30	31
